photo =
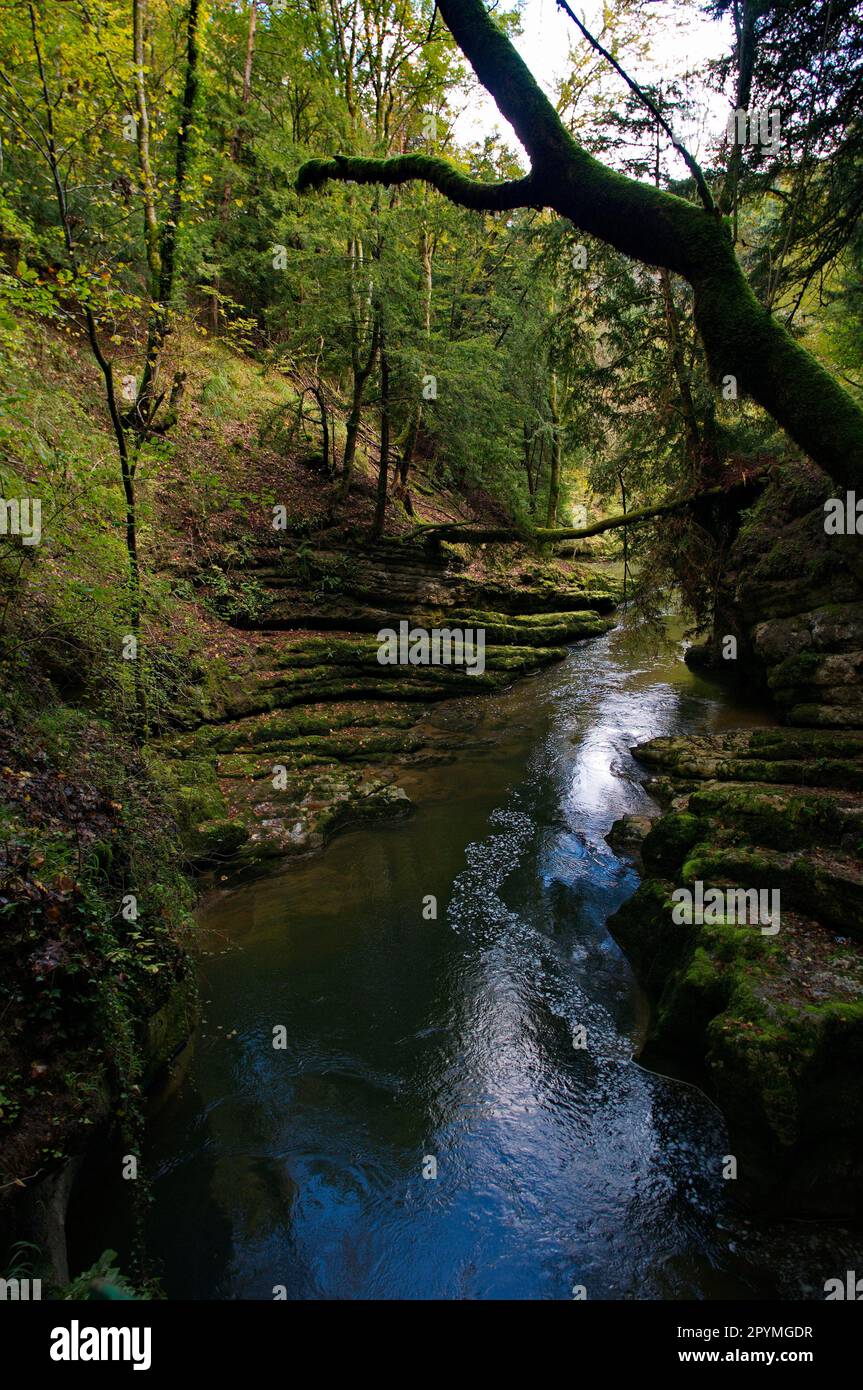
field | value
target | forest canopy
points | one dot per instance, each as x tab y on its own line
593	311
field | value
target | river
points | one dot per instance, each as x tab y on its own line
455	1112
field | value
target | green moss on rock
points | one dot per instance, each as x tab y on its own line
216	842
670	838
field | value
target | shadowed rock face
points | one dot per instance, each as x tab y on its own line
793	598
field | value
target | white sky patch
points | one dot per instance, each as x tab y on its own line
680	41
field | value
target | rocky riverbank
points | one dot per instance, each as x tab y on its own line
771	1024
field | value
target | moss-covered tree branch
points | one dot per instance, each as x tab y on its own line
406	168
465	533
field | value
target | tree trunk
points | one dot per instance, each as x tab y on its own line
554	475
383	464
745	15
161	260
145	403
625	535
466	533
412	434
361	371
527	458
234	155
318	394
691	432
351	430
127	464
181	157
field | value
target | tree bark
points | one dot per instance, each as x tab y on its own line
624	521
556	453
383	464
146	403
691	431
127	463
317	391
181	157
745	16
234	155
237	137
361	373
527	455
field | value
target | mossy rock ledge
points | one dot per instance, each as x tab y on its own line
771	1025
792	598
296	730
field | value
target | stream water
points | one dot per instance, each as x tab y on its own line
302	1168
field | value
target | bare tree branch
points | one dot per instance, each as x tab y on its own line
691	164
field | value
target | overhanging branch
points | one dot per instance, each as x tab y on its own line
464	533
405	168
